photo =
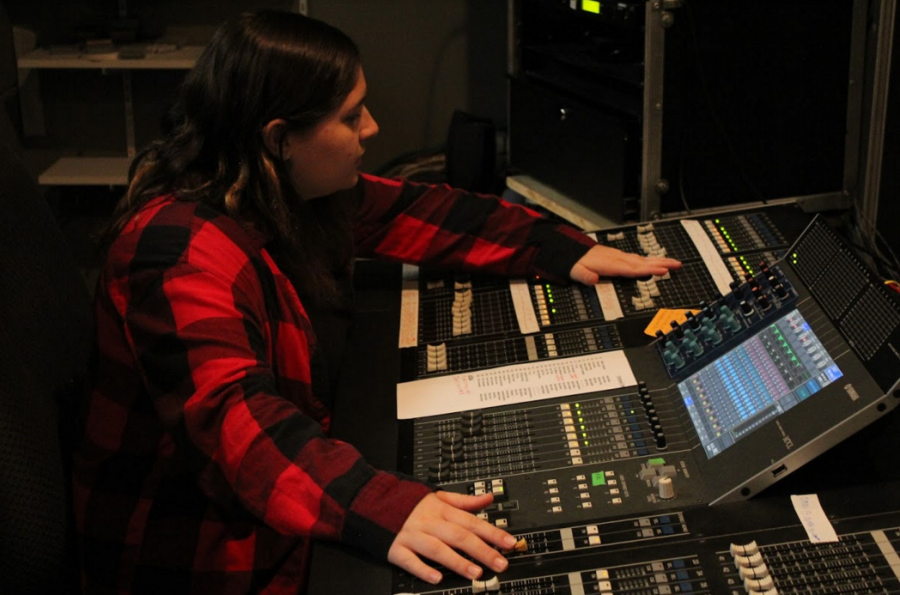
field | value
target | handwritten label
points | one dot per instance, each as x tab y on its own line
817	525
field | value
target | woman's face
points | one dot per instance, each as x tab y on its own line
327	158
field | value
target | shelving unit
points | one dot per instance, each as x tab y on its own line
96	170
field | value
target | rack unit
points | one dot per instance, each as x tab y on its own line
640	110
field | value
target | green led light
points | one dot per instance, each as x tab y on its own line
591	6
598	478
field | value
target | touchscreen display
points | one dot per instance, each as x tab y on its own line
757	381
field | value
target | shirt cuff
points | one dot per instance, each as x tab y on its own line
379	511
560	248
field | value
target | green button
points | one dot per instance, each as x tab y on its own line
598	478
659	461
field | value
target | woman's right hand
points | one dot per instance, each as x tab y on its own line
443	523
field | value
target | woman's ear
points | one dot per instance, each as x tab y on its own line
275	139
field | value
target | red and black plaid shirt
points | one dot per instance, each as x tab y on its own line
205	465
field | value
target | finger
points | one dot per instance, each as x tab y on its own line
464	501
584	275
467	534
411	563
482	528
436	546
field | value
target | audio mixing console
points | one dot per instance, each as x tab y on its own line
465	322
791	347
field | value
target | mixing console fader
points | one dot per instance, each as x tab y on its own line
464	322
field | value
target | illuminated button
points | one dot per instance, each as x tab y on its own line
594	540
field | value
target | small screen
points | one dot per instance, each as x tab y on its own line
757	381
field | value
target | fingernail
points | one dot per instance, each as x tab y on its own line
434	577
500	564
473	571
509	541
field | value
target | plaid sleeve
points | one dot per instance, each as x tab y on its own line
441	226
202	328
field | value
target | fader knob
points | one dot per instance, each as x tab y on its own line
692	320
441	465
666	489
661	440
451	440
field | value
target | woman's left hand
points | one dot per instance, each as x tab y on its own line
603	261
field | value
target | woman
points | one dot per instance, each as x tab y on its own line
205	464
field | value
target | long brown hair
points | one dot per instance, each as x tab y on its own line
257	68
